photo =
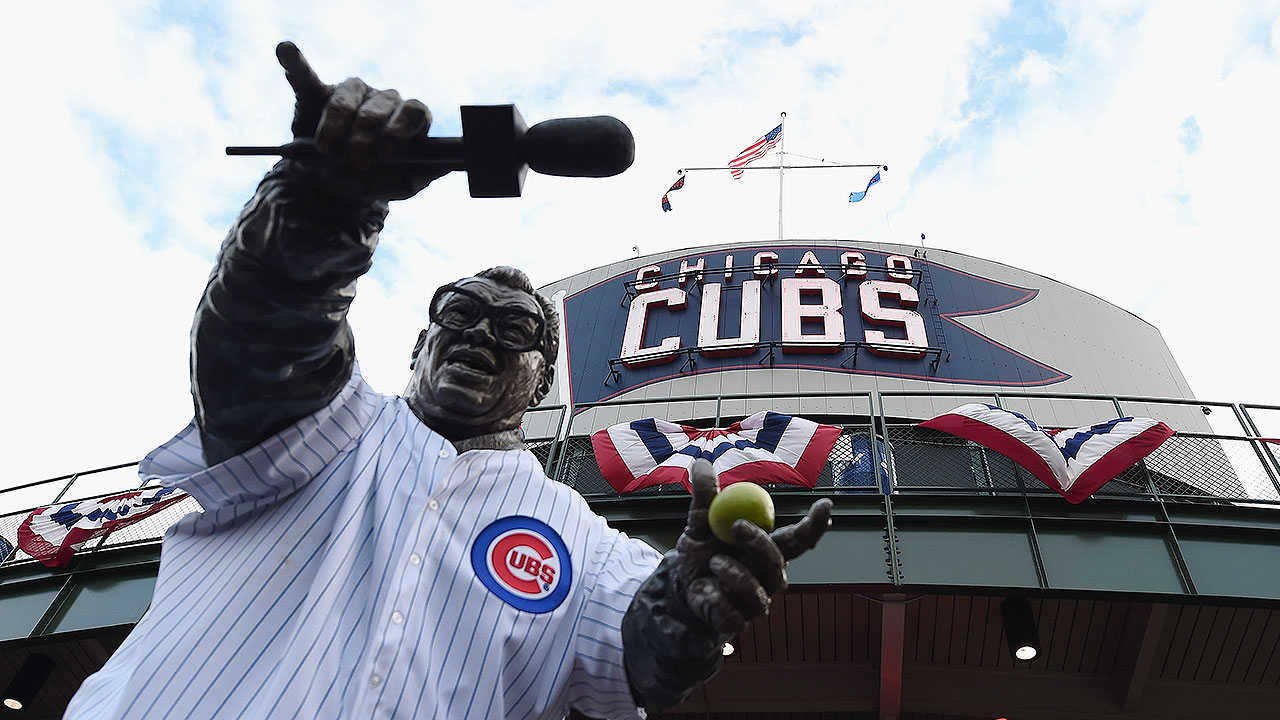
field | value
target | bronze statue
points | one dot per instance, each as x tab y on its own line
347	562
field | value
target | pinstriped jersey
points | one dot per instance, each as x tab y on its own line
354	565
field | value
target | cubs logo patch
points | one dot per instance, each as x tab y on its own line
524	562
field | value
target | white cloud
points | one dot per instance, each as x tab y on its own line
1067	161
1035	70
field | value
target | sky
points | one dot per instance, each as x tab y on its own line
1126	148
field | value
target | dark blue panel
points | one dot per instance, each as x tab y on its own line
596	320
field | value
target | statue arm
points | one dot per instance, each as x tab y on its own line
270	343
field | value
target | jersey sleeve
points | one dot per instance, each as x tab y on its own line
598	684
271	470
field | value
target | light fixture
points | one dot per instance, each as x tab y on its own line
727	650
31	677
1020	629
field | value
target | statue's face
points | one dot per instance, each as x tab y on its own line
475	380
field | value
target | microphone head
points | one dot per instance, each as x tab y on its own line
597	146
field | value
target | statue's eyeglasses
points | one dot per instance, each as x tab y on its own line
458	309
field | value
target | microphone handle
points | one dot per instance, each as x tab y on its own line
439	152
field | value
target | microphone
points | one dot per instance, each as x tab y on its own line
496	148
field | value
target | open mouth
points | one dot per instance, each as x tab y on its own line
474	359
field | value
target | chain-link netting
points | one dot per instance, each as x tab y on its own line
1185	465
577	468
852	464
9	533
927	459
1264	421
916	459
1269	452
541	449
910	459
1195	466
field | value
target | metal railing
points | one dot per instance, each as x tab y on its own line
881	451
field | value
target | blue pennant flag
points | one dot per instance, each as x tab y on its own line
856	196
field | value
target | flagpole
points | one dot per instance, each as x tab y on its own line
829	166
884	205
782	161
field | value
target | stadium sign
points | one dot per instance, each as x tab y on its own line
818	308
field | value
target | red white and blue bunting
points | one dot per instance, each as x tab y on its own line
766	448
53	534
1073	463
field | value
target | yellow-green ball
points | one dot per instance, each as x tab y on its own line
742	500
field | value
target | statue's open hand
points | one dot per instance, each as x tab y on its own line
729	586
360	130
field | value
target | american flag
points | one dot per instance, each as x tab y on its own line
755	151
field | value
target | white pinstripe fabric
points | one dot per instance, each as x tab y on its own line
329	576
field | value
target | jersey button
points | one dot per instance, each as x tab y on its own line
433	505
396	617
444	454
375	681
415	558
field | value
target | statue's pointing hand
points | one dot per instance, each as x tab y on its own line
360	131
729	586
